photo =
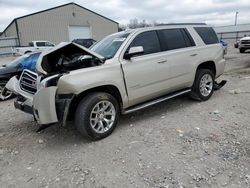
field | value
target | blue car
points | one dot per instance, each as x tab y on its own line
15	68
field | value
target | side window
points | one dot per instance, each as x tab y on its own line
48	44
188	38
40	44
31	44
148	40
207	34
172	39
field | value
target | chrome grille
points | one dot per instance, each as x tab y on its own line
245	42
28	81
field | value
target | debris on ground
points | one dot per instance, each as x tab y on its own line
238	91
40	141
216	112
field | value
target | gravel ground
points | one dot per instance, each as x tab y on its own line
178	143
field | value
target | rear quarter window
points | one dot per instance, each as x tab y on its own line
207	34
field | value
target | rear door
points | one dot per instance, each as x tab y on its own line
146	75
181	56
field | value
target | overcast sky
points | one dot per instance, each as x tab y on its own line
215	12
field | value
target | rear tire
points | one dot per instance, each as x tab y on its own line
97	115
203	86
27	52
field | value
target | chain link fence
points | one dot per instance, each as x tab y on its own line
232	37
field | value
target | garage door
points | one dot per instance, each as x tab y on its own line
79	32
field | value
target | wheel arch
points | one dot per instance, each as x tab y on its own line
27	52
207	65
110	89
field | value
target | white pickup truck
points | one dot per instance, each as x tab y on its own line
33	47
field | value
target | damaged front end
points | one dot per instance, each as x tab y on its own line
37	93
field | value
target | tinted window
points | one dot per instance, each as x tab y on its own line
149	41
49	44
188	38
40	43
207	34
171	39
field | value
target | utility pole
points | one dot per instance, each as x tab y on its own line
236	16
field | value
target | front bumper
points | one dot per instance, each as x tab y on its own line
21	104
46	106
244	46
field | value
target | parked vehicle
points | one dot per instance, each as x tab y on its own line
225	45
122	73
15	68
236	45
244	44
34	46
85	42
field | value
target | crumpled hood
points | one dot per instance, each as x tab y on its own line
51	56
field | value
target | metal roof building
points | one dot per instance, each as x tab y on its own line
60	24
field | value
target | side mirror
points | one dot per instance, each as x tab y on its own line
133	51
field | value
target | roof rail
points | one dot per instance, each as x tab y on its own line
181	24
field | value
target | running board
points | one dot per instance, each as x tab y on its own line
156	101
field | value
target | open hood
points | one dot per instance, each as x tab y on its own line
48	61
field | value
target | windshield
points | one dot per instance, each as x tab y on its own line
17	61
110	45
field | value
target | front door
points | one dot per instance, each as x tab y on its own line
146	75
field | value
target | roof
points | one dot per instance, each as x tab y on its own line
167	26
181	24
72	3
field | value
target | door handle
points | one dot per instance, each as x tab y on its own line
193	55
161	62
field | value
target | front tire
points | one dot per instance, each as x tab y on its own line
203	86
242	50
97	115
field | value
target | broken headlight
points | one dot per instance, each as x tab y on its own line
47	82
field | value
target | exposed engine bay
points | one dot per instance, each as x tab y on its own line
68	57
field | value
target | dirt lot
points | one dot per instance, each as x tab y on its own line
179	143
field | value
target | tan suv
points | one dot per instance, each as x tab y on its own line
124	72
